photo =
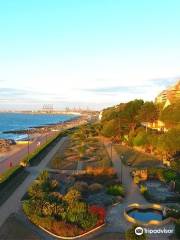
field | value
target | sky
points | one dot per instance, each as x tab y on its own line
79	53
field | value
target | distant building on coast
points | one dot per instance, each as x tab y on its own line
48	108
169	96
165	98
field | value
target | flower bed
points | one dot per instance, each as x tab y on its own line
64	215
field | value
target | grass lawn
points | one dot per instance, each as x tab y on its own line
11	184
137	158
15	229
4	176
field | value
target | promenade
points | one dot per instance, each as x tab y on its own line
13	203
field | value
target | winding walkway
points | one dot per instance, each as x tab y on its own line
115	215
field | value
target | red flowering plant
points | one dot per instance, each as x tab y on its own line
100	212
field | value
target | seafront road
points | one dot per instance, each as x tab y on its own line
17	156
13	203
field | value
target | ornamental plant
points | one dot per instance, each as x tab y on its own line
99	211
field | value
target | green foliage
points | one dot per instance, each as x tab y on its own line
143	189
116	190
169	142
169	175
136	179
109	128
148	112
88	221
177	228
8	173
140	139
173	212
130	234
72	196
171	115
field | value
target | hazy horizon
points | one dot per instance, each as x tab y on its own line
86	53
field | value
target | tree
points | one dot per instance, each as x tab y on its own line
171	115
110	128
131	112
140	139
148	112
169	143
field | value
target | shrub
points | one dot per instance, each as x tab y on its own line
65	229
177	228
100	171
169	175
27	207
173	212
76	212
99	211
95	187
88	221
116	190
143	189
136	179
130	234
72	196
81	186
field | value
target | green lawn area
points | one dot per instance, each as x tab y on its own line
136	158
12	178
4	176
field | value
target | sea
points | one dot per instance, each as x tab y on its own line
22	121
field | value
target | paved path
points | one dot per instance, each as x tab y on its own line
115	215
13	202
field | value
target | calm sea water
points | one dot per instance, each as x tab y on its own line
18	121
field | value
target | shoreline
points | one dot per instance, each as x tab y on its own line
36	138
37	129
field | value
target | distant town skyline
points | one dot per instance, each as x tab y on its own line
86	53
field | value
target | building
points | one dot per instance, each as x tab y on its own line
169	96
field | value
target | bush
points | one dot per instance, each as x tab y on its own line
130	234
27	207
136	179
98	171
81	186
88	221
65	229
116	190
177	228
99	211
95	187
143	189
173	212
72	196
169	175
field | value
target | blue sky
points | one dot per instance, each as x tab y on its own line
86	52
